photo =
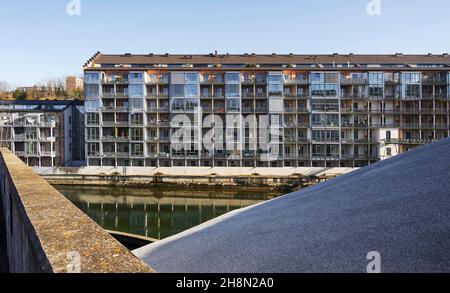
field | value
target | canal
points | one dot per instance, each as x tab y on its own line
158	212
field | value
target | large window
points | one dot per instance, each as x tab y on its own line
376	78
408	78
136	90
325	90
325	135
92	118
275	85
191	104
93	149
137	134
411	91
177	104
177	90
91	90
92	105
91	77
137	118
233	105
191	78
275	78
93	133
325	150
232	77
325	120
324	77
192	90
136	77
232	90
376	91
31	133
137	149
275	90
136	104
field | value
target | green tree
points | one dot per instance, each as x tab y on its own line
19	95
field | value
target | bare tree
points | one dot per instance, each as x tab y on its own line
4	86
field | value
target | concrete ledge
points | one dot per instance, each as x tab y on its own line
46	233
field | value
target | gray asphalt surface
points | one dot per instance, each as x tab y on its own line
399	207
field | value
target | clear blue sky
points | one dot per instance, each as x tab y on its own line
39	40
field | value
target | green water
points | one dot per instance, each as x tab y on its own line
158	213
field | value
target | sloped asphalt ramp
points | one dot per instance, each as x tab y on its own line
399	208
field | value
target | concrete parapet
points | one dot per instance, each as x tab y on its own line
45	232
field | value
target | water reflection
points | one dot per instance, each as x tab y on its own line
157	213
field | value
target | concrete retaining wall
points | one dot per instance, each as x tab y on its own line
47	233
193	171
190	176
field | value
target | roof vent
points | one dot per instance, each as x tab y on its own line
398	54
211	54
291	54
167	54
274	54
445	54
253	54
430	54
246	54
228	54
127	54
150	54
335	54
351	54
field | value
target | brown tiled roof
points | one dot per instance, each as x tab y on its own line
267	59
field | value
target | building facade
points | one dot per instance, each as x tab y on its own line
262	110
43	133
74	83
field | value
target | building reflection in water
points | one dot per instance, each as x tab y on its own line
157	213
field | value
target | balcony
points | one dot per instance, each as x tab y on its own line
395	96
289	109
354	81
290	139
325	140
107	123
248	95
410	125
122	124
392	81
296	81
408	141
114	109
290	95
429	96
115	80
261	110
328	157
434	81
290	124
122	154
48	139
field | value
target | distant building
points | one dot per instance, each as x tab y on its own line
43	133
320	110
74	83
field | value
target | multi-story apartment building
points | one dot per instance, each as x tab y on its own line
267	110
74	83
43	133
